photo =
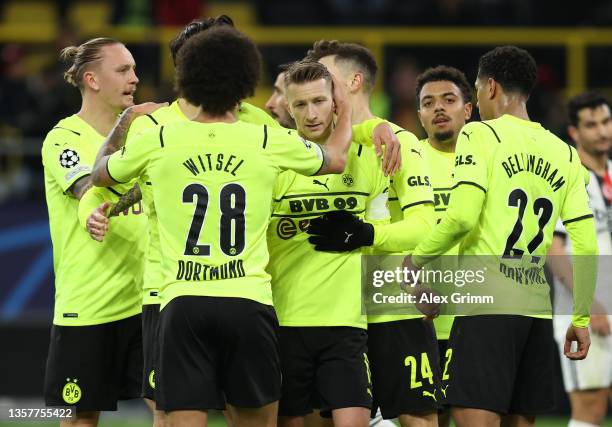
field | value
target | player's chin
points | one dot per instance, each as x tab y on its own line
311	136
127	101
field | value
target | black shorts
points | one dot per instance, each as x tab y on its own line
92	367
214	350
404	362
324	367
150	331
501	363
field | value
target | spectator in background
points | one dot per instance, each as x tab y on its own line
177	12
402	88
17	106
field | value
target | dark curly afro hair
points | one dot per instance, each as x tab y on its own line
193	28
218	68
512	67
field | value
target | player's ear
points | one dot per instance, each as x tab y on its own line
491	88
572	131
356	82
90	80
467	109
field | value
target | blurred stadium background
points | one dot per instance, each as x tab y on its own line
572	42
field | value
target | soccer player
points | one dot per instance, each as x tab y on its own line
444	99
126	129
277	103
317	295
513	179
95	354
588	381
277	106
392	338
212	179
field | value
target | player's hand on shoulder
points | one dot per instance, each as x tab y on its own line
392	159
97	222
582	337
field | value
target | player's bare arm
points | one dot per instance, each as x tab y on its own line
336	149
97	222
134	195
116	140
80	187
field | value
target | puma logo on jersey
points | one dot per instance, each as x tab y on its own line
414	150
324	184
348	236
428	394
466	134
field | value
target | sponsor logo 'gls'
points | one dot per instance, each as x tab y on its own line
418	181
464	160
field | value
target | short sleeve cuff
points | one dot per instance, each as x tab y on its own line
113	175
74	175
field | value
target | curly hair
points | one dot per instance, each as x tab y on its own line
360	57
444	73
512	67
193	28
218	68
590	100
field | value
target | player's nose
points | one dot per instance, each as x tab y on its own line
133	78
605	130
311	113
269	103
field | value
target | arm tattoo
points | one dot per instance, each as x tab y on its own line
134	195
113	142
116	138
80	187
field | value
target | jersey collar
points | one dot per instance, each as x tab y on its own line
522	122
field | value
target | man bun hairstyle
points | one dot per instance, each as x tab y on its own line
80	58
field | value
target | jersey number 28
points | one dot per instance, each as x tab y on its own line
232	202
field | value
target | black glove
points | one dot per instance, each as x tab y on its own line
339	231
